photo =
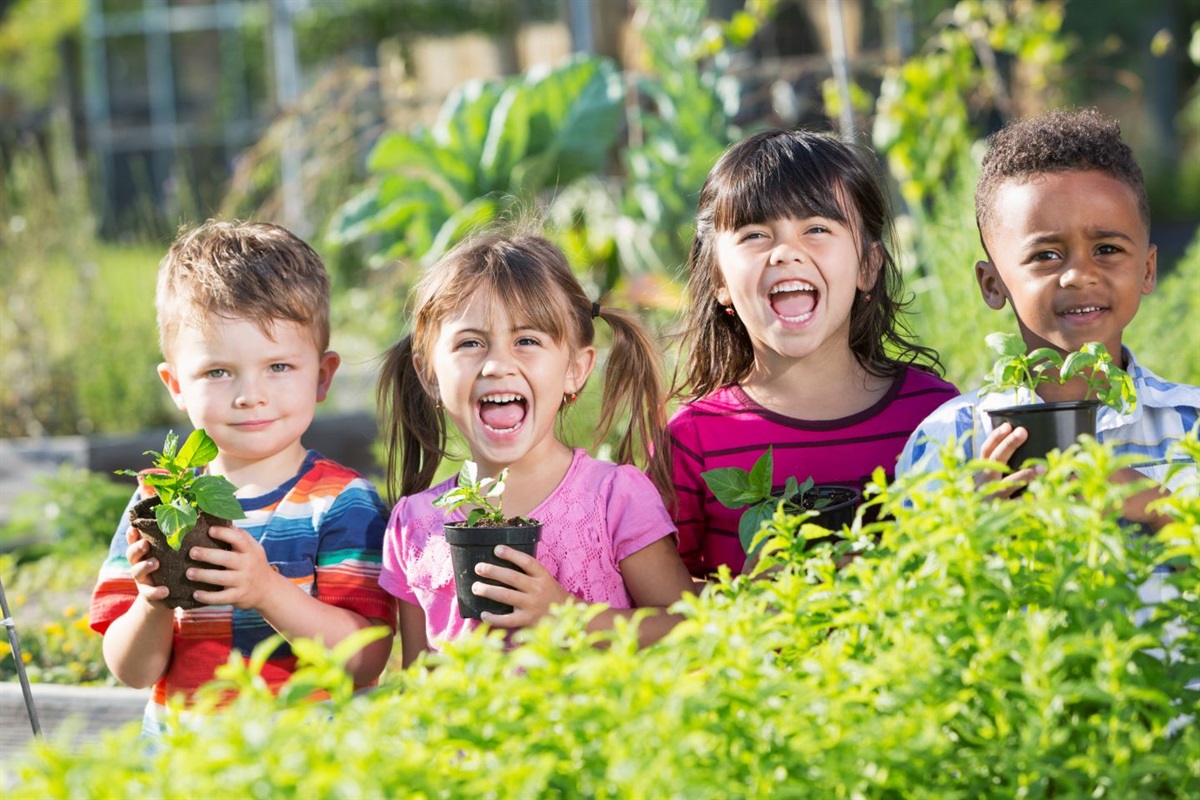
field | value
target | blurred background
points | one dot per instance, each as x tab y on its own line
383	130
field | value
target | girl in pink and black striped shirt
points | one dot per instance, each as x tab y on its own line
793	334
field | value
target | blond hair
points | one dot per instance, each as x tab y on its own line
245	270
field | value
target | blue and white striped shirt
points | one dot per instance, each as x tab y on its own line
1165	412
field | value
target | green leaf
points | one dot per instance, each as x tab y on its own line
790	488
1006	344
469	474
215	495
198	450
753	519
730	485
175	520
762	473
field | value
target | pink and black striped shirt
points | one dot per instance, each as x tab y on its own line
728	429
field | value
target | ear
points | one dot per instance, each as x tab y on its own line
994	292
430	386
723	296
166	373
871	266
1150	277
579	369
330	361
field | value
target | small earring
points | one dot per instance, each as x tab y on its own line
569	398
730	312
868	297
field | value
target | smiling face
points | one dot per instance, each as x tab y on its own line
501	381
792	283
1069	250
253	393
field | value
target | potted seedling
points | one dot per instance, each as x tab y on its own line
182	505
736	488
1055	425
473	540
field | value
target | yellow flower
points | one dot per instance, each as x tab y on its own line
26	658
70	611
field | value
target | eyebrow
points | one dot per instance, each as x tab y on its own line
1096	233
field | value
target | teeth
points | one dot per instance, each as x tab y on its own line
500	398
793	286
1084	310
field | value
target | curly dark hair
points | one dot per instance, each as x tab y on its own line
1058	141
771	175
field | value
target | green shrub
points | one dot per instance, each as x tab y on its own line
975	648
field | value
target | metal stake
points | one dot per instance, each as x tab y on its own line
16	650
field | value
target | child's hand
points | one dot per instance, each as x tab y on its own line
532	594
1134	509
247	578
1000	445
141	565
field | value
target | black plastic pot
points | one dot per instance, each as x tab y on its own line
1051	426
173	564
471	546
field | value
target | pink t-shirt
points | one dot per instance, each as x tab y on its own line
599	515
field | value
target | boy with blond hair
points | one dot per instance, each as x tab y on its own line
1065	223
243	318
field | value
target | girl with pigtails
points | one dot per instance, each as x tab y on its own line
501	346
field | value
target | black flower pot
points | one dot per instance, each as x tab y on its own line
1051	426
173	564
471	546
838	513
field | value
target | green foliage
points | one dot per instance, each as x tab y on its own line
976	648
182	491
1162	335
1017	369
68	510
930	108
473	491
736	488
30	57
495	145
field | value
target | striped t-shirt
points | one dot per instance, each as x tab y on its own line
323	530
728	429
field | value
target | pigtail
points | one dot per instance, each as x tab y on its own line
414	432
633	380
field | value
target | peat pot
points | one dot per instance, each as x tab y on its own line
173	564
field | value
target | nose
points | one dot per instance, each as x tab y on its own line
785	252
1078	272
249	394
499	362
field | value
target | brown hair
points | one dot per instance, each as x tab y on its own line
1059	141
249	270
532	275
776	174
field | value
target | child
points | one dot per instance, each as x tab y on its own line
501	343
1065	224
243	319
793	333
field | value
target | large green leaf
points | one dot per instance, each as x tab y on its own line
462	124
731	486
198	450
507	140
215	495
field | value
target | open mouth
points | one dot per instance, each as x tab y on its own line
502	412
793	301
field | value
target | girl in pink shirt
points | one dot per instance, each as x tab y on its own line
792	333
501	345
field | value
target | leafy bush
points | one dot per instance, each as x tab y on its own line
976	648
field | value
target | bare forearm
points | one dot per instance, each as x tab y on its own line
298	615
652	627
137	646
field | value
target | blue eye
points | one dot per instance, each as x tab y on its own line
216	373
280	367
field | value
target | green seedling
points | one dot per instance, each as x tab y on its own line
184	493
736	488
471	491
1016	369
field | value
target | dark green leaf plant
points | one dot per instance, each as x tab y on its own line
736	488
1015	368
183	491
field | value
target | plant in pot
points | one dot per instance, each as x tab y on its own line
834	505
1054	425
473	540
182	505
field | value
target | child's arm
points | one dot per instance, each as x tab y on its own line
249	582
413	640
655	577
1135	506
137	645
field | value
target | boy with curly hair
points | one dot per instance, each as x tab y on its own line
1065	223
243	318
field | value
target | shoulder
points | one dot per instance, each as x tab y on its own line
325	476
921	381
420	504
1154	391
